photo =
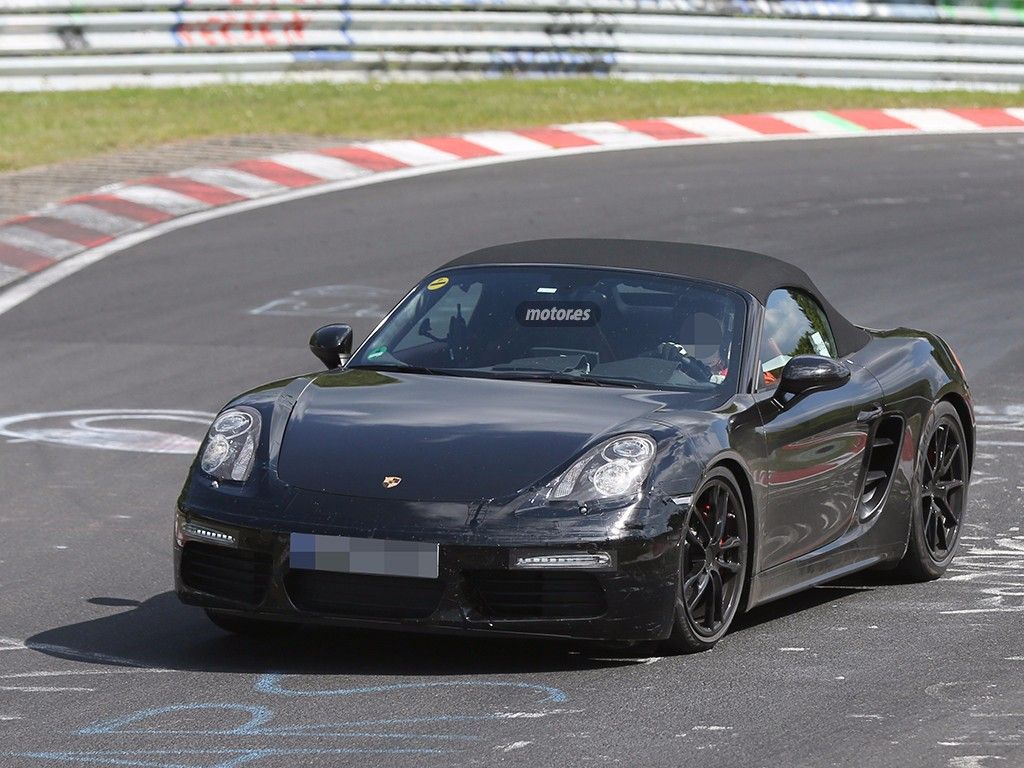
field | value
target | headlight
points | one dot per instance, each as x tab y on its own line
231	444
613	470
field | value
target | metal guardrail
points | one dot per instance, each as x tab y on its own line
980	11
69	44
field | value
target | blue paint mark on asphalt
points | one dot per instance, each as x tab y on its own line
232	757
257	716
272	684
256	720
255	725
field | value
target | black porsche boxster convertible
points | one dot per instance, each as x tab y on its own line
607	439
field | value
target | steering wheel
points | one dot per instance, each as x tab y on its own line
692	366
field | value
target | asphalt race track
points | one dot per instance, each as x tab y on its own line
100	664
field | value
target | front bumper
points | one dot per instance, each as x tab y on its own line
477	589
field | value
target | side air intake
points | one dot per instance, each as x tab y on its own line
883	453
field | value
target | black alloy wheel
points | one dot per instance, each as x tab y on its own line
942	490
940	498
713	564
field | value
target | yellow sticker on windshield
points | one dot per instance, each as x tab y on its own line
439	282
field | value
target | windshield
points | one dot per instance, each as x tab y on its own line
565	325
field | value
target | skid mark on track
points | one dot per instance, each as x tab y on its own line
993	726
513	746
1000	426
973	761
995	571
990	563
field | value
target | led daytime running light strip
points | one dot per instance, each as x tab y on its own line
566	560
199	532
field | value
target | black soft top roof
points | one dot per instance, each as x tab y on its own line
754	273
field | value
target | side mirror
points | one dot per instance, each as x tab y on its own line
804	374
332	345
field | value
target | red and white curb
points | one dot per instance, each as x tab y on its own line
85	228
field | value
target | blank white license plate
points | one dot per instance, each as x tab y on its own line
344	554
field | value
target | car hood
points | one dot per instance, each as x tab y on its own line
447	438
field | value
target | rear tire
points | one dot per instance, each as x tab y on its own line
938	497
245	626
712	565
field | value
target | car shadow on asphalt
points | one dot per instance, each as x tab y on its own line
163	633
798	603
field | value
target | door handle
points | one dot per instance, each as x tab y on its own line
869	415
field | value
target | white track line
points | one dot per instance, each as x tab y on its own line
45	689
11	644
77	672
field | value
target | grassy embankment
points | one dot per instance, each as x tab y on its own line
40	128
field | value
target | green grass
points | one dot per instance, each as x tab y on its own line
40	128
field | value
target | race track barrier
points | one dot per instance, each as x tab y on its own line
70	44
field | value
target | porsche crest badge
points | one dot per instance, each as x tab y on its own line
391	481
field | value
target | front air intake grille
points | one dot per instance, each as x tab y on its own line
234	574
361	596
537	594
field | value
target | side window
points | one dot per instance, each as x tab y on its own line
456	300
794	324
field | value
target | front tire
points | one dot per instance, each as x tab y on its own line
712	564
939	497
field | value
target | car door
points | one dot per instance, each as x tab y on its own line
815	443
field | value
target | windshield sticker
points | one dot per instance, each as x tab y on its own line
547	290
558	313
819	344
376	352
439	282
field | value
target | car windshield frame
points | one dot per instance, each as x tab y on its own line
734	382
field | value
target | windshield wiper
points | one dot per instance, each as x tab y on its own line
520	374
560	377
402	368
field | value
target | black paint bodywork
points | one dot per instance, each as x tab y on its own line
470	450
